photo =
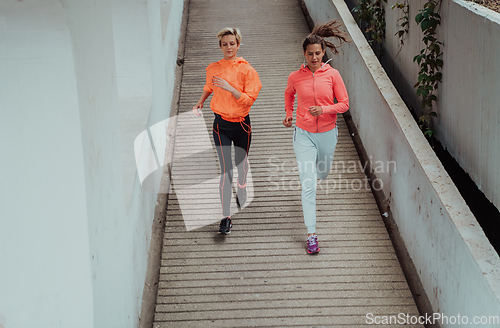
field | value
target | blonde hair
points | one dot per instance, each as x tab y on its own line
229	31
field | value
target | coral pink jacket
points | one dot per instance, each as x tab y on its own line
316	89
241	76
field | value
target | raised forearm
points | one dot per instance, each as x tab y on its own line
236	94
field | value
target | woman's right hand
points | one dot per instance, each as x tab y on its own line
197	109
288	122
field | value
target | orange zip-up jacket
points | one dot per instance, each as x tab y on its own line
243	78
320	88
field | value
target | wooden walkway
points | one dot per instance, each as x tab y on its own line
260	275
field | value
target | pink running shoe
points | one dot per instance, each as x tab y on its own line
312	244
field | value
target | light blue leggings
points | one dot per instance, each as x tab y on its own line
314	152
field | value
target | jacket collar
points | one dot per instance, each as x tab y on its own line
324	67
238	60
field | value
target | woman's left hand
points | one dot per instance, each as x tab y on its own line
315	110
221	83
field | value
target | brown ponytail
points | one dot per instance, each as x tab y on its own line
330	29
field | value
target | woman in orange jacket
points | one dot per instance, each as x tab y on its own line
235	86
316	85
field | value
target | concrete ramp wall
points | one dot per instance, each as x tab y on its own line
80	81
457	265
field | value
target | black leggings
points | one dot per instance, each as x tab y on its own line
240	133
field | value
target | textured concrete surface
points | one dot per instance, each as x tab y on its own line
260	274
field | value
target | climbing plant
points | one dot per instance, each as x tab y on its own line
371	18
362	11
431	63
403	23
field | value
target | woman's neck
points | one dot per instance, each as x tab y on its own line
313	71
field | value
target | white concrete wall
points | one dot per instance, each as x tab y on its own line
134	79
45	275
468	99
79	81
457	265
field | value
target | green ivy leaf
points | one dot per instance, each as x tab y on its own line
419	18
434	47
426	24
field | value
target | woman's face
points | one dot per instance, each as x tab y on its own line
229	47
314	54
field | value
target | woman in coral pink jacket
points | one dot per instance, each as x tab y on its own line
316	86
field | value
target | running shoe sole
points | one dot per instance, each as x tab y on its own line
313	252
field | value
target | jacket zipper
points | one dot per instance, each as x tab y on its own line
316	104
314	94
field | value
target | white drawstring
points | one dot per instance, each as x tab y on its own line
326	62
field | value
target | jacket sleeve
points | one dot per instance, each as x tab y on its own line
208	80
340	93
289	97
251	89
